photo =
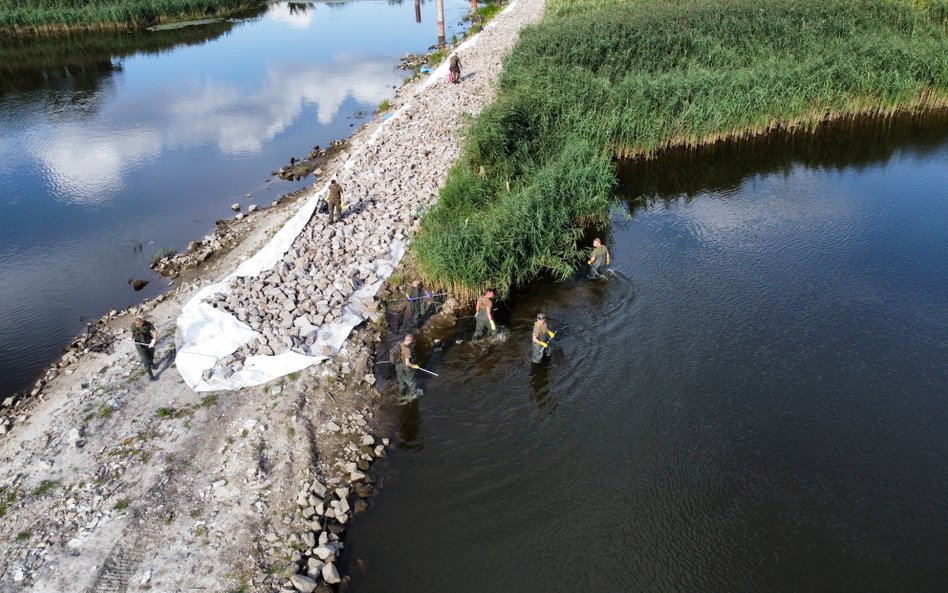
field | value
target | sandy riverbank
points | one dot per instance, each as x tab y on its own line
111	482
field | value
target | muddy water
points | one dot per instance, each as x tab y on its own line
756	401
114	145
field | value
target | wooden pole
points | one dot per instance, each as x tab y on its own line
440	5
417	11
473	6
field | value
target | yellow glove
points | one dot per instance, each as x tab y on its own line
551	334
493	326
544	344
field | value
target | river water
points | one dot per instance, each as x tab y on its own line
114	145
756	401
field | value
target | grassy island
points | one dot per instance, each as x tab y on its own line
18	17
598	80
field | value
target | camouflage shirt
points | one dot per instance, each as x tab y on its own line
143	334
335	193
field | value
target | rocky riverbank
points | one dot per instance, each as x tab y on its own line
111	482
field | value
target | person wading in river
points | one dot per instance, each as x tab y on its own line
145	335
541	347
405	368
334	201
455	69
483	315
418	301
598	259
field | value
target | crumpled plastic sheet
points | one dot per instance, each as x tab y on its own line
205	334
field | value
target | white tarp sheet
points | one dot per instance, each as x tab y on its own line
206	334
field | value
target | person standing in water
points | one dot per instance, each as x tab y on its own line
540	339
598	259
405	368
483	314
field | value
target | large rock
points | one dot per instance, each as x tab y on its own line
330	574
303	583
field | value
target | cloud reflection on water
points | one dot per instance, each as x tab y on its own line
207	113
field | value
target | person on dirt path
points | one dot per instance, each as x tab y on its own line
405	368
334	201
418	301
145	335
455	69
540	339
483	315
598	259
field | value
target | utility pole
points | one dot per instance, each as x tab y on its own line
417	11
473	6
440	5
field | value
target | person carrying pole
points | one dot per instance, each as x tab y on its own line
405	368
334	201
483	315
598	259
418	301
541	338
145	335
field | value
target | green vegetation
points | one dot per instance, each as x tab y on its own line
600	79
42	16
437	56
384	105
24	535
160	254
45	487
8	496
122	504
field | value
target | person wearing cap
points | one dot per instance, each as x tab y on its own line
418	301
541	337
405	368
483	315
598	259
145	335
334	201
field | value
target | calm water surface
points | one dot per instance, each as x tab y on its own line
113	141
757	401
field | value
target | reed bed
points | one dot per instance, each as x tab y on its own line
45	16
600	79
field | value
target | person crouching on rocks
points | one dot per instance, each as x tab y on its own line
145	335
455	69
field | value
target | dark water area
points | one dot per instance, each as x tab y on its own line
114	145
755	401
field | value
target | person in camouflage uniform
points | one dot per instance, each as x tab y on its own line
598	259
540	339
145	335
334	201
455	68
418	301
405	368
483	315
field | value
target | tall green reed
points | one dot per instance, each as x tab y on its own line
603	78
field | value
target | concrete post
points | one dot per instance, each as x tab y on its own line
440	5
